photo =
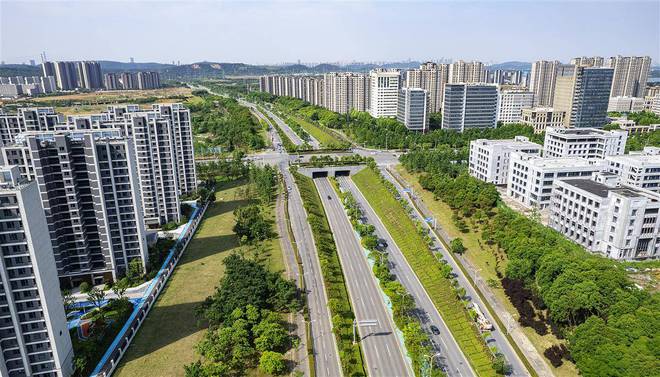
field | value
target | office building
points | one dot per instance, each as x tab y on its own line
655	105
542	82
431	77
531	177
89	75
34	338
583	93
384	92
469	106
345	91
630	73
467	72
618	221
586	143
511	104
542	117
27	119
413	109
89	190
637	169
489	159
625	104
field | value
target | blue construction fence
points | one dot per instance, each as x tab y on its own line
116	351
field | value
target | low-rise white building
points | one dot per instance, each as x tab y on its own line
512	103
618	221
542	117
531	177
489	159
641	169
583	142
626	104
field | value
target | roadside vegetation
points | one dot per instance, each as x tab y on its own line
435	276
350	354
417	341
555	285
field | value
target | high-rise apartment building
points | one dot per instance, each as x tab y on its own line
311	89
542	82
345	91
89	75
66	75
584	142
28	119
583	93
384	92
413	109
148	80
48	69
89	190
111	81
34	338
469	106
630	73
467	72
512	103
431	77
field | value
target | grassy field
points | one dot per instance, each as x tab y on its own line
166	341
482	256
324	136
427	269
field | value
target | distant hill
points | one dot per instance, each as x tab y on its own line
19	70
512	66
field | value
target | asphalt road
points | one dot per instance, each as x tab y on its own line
383	353
326	356
282	124
450	357
497	336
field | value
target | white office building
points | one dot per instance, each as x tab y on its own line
384	92
625	104
640	169
413	109
469	106
618	221
512	103
531	177
583	142
489	159
34	338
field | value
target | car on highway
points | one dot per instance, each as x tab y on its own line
435	330
329	197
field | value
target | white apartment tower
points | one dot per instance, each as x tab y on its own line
630	73
618	221
34	338
531	177
413	109
512	103
27	119
542	81
384	92
587	142
89	189
344	92
489	159
431	77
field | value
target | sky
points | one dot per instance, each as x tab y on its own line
332	31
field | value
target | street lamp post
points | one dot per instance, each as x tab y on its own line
431	357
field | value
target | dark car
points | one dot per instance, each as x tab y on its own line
435	330
329	197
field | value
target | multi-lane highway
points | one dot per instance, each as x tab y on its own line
450	358
381	347
498	338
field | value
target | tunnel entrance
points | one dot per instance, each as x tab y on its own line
342	173
319	174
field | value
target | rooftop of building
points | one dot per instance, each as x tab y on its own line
518	141
650	156
558	162
603	190
580	131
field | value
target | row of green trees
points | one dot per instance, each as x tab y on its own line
611	325
225	123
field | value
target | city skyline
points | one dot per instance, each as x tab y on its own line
270	33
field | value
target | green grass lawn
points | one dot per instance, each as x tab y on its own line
427	269
324	136
166	340
482	256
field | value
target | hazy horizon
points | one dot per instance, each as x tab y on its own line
315	32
